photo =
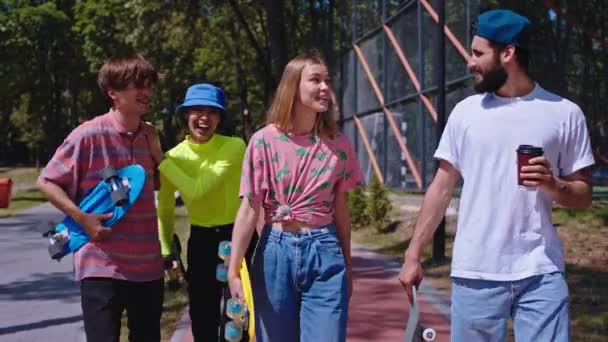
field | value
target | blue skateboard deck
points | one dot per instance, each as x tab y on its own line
99	201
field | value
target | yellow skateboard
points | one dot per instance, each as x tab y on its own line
241	326
248	293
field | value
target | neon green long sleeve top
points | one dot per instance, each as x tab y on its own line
207	177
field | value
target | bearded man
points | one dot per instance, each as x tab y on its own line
508	260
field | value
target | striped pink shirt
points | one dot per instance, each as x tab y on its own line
132	251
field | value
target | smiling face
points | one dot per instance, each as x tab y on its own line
202	123
313	90
485	65
132	100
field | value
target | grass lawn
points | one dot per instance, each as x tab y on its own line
22	176
24	194
585	238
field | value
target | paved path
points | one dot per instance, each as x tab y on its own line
39	300
378	309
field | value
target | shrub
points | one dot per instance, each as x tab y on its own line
378	207
356	205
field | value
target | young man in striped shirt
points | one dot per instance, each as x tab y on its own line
120	268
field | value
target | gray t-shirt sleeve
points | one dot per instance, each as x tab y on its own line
576	153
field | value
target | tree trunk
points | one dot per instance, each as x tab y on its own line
276	37
241	82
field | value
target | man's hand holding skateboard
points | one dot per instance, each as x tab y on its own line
93	224
411	274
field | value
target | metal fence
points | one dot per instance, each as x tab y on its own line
388	85
388	78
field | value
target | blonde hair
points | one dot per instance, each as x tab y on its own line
281	110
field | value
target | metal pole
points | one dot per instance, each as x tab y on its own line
353	28
384	149
421	122
439	237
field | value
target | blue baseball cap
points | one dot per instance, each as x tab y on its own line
203	94
504	27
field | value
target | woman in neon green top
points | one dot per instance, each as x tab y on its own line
205	168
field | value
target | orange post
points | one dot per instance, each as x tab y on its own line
6	185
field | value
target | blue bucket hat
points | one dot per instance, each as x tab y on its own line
504	27
203	94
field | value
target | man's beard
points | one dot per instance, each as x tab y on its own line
492	80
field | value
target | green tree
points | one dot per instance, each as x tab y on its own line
51	52
31	132
35	45
102	26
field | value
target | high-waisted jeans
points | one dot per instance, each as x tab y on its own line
300	286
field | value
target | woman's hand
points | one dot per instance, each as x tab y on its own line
236	287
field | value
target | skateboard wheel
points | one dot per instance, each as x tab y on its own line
56	251
233	332
429	334
221	273
235	310
108	173
119	197
223	250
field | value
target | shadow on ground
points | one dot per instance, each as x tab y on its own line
50	286
39	325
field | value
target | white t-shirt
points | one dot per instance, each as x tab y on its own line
505	231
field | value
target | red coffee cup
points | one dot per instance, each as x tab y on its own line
524	154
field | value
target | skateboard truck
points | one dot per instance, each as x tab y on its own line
57	241
237	311
119	187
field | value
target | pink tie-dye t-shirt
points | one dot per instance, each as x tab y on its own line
298	175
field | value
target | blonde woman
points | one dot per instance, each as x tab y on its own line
298	168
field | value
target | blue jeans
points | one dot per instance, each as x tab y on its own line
299	286
538	305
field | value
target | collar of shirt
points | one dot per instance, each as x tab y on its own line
209	146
